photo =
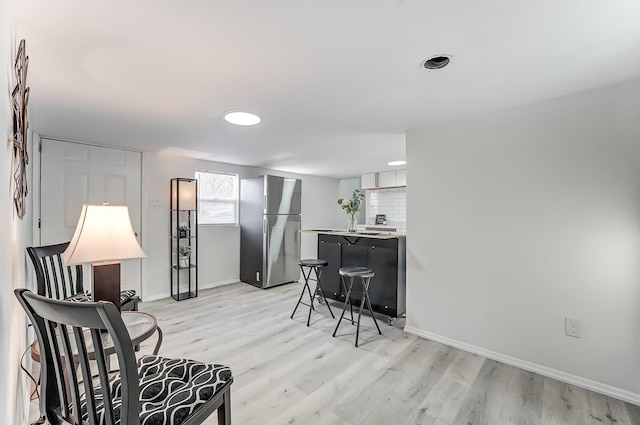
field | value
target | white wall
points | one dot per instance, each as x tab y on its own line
219	257
519	218
345	190
8	333
16	234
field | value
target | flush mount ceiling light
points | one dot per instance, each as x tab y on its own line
437	62
241	118
396	162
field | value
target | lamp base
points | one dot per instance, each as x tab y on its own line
106	283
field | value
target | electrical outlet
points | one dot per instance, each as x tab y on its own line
154	202
572	328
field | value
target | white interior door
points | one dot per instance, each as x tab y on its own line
73	174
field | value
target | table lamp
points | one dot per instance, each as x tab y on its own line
103	238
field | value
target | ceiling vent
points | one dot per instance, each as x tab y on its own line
437	62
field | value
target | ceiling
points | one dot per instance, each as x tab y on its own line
336	82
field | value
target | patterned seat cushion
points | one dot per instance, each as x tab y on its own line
170	389
80	297
125	296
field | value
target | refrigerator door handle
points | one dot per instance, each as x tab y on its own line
266	266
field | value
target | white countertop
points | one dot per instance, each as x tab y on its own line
358	234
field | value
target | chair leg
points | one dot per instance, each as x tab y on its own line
366	294
359	316
347	300
299	300
311	298
344	285
319	289
224	411
306	285
339	320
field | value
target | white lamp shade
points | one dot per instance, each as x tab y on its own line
183	194
104	233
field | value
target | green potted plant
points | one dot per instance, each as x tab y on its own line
352	206
183	231
184	252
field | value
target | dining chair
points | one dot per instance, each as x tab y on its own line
55	280
154	391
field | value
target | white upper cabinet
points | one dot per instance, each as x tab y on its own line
369	181
387	179
384	179
401	177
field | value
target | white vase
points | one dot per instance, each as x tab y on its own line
184	261
353	221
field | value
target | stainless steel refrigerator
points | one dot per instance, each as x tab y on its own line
270	209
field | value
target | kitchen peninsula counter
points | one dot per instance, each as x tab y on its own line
360	234
383	252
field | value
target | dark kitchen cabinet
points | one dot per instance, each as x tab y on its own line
331	251
383	291
386	257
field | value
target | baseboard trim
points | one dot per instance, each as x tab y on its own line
156	297
217	284
578	381
164	295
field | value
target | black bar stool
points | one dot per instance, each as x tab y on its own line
307	266
364	274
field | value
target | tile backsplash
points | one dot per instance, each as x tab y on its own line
392	202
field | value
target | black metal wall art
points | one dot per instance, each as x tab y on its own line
19	101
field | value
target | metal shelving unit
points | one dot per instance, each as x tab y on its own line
184	214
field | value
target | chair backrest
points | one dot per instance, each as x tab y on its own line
69	335
54	279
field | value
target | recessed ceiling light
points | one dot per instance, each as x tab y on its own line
241	118
396	162
437	62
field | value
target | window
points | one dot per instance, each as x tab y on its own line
218	198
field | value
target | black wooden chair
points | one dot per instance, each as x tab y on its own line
55	280
156	391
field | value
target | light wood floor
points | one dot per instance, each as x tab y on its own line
286	373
